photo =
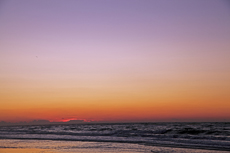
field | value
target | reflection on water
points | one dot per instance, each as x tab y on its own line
49	146
192	135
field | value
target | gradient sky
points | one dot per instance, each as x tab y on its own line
115	60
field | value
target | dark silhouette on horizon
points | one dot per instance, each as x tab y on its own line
40	122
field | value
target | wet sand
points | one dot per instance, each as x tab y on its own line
19	150
49	146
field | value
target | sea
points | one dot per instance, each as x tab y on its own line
119	137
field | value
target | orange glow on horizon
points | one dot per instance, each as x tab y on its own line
115	61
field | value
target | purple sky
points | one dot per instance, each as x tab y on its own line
78	49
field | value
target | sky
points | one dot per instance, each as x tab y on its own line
117	60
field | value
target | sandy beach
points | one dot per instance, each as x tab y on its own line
49	146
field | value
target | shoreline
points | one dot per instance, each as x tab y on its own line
179	146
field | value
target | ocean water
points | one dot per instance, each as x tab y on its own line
199	136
